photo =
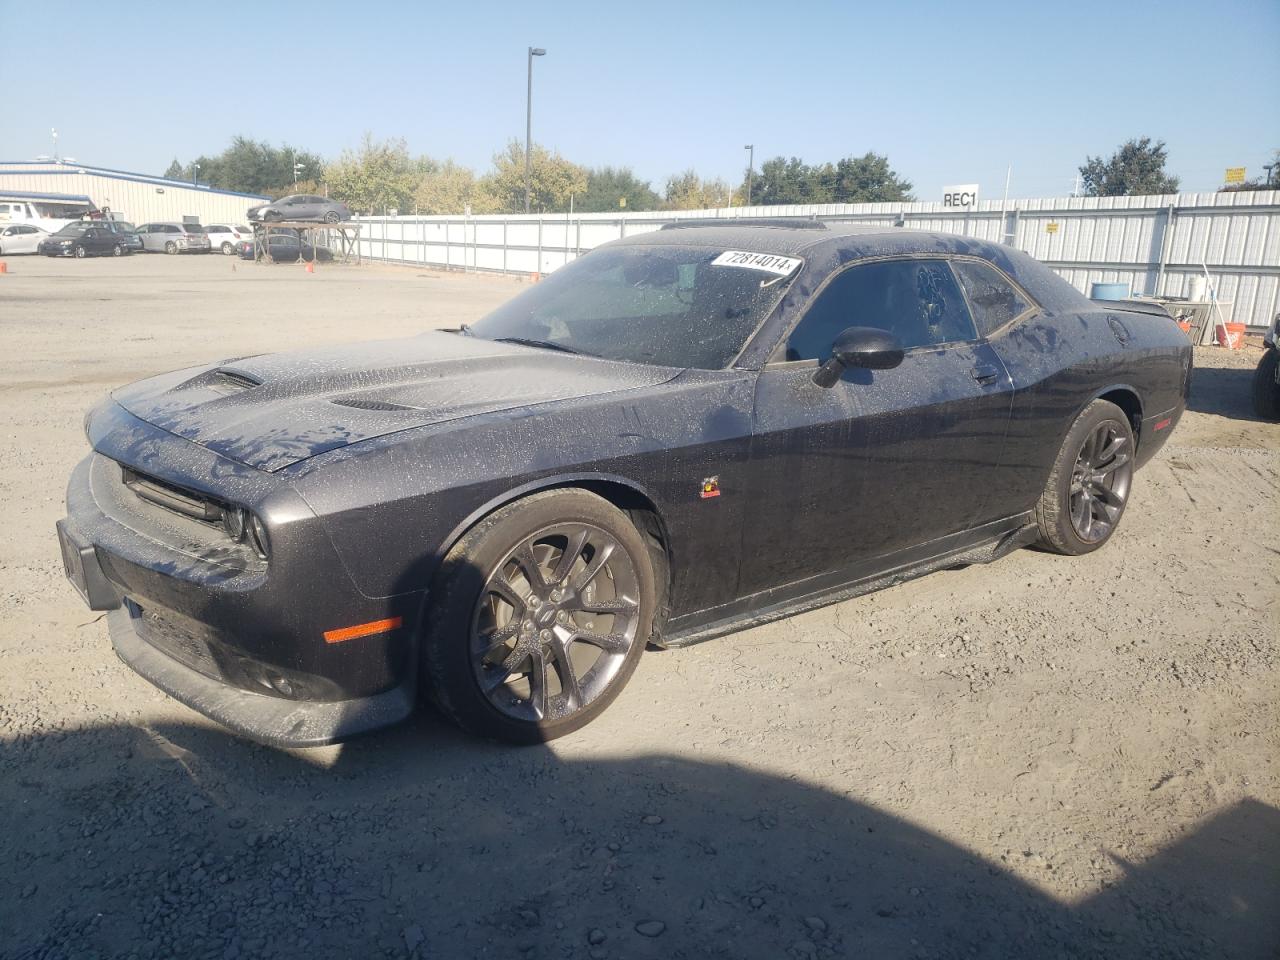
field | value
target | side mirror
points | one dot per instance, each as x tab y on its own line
867	347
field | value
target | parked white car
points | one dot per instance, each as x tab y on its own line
227	238
20	238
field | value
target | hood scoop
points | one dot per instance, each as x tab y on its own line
364	403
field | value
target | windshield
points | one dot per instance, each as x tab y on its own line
666	305
73	229
193	228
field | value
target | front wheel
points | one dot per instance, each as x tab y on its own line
538	617
1088	487
118	250
331	217
80	252
1266	389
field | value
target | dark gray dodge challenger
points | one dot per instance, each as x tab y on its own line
679	434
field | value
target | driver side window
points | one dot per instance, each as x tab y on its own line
916	300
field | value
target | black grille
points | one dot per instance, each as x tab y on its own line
177	641
171	497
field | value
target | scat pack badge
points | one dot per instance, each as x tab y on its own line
710	488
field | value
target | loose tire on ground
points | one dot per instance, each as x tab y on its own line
462	597
1097	479
1266	392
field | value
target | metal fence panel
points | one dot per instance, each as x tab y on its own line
1154	244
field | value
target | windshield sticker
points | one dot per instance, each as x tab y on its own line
768	262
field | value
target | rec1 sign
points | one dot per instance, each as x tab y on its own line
961	195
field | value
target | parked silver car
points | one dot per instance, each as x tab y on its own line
301	207
173	238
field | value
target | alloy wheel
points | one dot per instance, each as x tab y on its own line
1100	481
554	622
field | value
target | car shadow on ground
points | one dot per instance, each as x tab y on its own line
1223	392
176	840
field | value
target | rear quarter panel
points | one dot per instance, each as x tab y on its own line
1060	361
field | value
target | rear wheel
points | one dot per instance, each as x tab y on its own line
331	217
170	247
1088	487
1266	391
539	615
227	249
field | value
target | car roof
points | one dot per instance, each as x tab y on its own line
788	237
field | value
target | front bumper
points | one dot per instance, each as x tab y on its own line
270	720
219	620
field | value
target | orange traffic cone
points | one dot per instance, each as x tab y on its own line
311	267
4	267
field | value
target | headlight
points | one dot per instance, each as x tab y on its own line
233	523
66	243
258	537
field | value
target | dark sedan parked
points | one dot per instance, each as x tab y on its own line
301	207
674	436
84	239
132	239
282	248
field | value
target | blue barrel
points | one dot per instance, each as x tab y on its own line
1109	291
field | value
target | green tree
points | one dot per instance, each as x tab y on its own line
688	191
552	180
1136	169
449	188
250	166
868	179
607	186
865	179
380	176
788	181
175	171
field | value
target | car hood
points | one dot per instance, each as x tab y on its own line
275	410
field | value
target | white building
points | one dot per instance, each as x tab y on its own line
136	197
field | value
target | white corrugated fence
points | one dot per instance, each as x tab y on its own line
1154	243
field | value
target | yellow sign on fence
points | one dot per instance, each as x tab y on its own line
1234	175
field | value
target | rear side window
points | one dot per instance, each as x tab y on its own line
916	300
993	299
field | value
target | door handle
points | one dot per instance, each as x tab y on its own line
985	374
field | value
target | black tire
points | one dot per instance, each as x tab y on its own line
1266	392
118	250
331	217
227	249
171	248
80	252
1059	530
461	587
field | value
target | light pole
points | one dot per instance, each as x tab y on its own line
195	169
528	126
297	168
751	164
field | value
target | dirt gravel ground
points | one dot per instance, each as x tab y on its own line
1044	757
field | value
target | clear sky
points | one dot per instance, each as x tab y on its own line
951	92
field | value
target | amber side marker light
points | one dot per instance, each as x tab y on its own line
362	630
